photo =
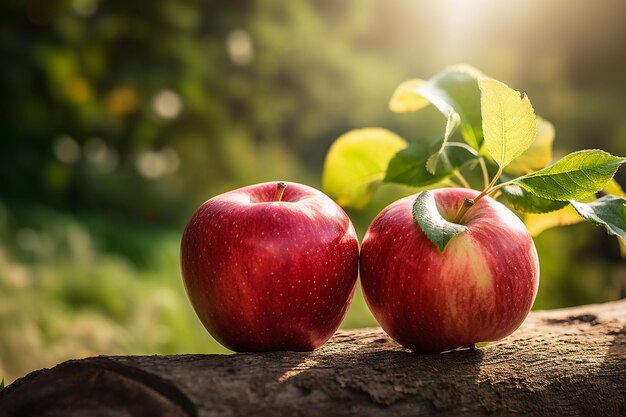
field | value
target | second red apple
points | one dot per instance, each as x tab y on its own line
479	289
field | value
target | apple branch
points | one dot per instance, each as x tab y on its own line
483	168
462	179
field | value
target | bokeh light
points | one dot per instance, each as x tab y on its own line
167	104
66	150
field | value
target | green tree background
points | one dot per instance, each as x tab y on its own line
119	118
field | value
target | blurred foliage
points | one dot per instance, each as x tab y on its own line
118	118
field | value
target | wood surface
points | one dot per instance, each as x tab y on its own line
568	362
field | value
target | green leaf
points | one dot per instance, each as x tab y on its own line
435	227
576	175
2	384
509	121
409	165
608	211
522	200
433	161
453	89
539	155
356	163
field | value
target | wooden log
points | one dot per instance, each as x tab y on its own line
569	362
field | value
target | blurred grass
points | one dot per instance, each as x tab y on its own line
62	298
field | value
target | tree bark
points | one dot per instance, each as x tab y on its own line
569	362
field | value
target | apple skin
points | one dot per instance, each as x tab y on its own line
266	275
479	289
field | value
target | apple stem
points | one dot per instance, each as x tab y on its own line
467	204
280	189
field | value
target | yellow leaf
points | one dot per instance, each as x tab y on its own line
539	155
508	118
356	164
614	188
466	68
537	223
406	97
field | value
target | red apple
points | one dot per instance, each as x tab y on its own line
479	289
270	266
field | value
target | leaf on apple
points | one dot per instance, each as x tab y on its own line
356	163
575	176
608	211
538	155
509	121
408	166
435	227
526	202
454	89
